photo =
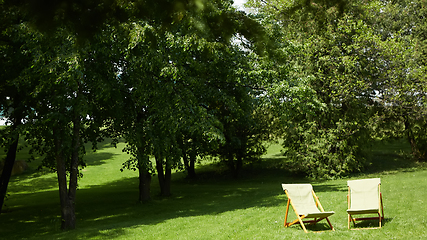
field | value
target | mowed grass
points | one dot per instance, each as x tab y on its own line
214	206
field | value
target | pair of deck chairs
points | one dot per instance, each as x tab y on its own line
364	197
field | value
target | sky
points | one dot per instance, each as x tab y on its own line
239	3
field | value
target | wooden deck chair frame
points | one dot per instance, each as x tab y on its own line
369	184
317	215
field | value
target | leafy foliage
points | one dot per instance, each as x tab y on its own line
347	75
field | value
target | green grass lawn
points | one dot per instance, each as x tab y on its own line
212	207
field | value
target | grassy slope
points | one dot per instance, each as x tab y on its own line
213	207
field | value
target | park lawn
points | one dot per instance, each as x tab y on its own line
212	207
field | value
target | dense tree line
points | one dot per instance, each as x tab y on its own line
172	84
359	75
181	80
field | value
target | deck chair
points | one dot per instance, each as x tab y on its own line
364	197
300	197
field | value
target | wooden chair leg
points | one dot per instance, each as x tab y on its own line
292	223
349	220
286	215
329	222
302	224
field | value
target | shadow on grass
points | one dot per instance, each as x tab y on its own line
391	156
98	158
321	226
92	157
367	224
108	209
34	180
115	206
31	182
383	157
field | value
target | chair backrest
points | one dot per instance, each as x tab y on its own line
302	197
364	193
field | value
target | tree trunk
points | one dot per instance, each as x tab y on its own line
239	165
410	136
143	160
166	191
61	173
164	177
186	161
144	180
189	163
8	165
231	164
67	197
144	185
74	174
191	170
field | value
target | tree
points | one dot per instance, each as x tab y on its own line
54	125
15	102
404	94
327	106
72	100
235	103
74	65
173	76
